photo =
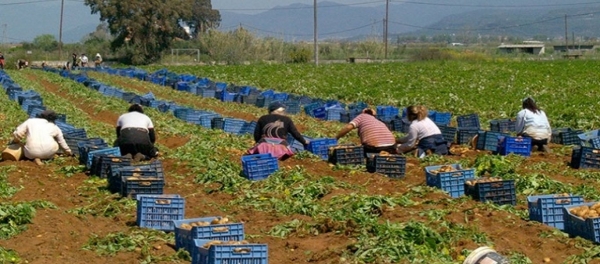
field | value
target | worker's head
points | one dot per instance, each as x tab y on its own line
369	111
136	108
49	115
277	108
416	112
529	103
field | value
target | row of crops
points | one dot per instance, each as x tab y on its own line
372	245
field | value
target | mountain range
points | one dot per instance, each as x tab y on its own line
295	22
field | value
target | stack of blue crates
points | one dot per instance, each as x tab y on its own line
548	209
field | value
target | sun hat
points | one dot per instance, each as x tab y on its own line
275	106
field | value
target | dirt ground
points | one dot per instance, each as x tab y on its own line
56	236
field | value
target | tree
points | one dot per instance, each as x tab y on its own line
45	42
203	17
143	29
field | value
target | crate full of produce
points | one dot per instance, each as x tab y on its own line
346	155
450	178
320	146
141	181
492	189
159	211
212	228
583	220
391	165
585	157
548	209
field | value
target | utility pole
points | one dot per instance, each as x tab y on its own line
62	7
566	36
385	32
3	34
316	47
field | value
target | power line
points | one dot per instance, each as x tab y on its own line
28	2
297	7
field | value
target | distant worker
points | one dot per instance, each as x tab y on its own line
135	134
1	61
98	60
84	60
22	64
74	64
424	136
374	134
532	122
271	133
42	137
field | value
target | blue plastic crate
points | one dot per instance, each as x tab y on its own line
106	162
233	125
109	151
471	120
249	99
466	134
84	148
565	136
453	182
207	93
393	166
516	145
248	128
263	101
259	166
548	209
282	97
442	118
216	123
576	226
147	183
449	133
334	114
320	146
206	120
488	140
292	107
224	254
347	155
75	133
159	211
585	157
502	125
184	237
118	170
294	144
499	192
309	108
387	111
320	113
586	138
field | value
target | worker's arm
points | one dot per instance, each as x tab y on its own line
347	128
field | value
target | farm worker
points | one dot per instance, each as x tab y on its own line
74	61
84	60
1	61
532	122
98	60
271	132
423	134
135	134
42	137
21	64
374	134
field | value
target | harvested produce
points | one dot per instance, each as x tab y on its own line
445	168
586	211
484	179
219	242
216	221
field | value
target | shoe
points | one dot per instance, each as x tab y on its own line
546	149
139	157
38	162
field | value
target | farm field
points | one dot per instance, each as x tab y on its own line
309	211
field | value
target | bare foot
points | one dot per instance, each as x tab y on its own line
38	162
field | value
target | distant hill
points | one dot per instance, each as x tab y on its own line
337	21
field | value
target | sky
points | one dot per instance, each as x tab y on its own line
257	6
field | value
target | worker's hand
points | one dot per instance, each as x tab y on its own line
69	153
16	140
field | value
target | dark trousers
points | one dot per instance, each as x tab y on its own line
136	140
371	149
434	144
